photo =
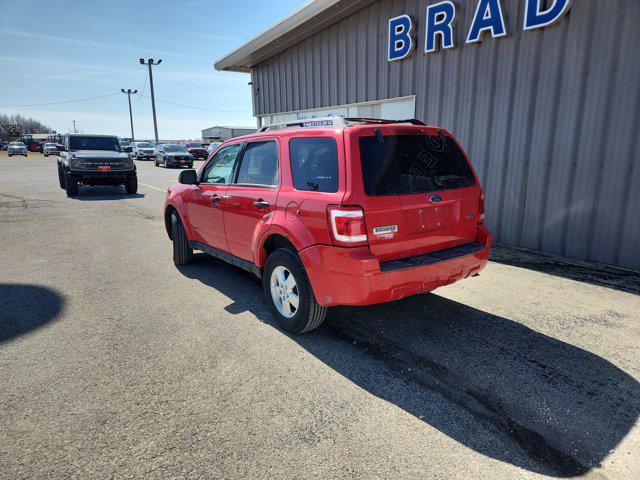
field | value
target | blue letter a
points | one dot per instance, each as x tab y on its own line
488	16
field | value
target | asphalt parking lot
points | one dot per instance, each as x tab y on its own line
116	364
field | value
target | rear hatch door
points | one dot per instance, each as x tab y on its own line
419	193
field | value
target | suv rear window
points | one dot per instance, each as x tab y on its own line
314	164
405	164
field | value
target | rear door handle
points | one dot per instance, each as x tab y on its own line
261	204
215	200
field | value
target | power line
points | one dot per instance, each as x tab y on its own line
144	86
197	108
60	103
140	95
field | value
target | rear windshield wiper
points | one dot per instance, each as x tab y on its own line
440	179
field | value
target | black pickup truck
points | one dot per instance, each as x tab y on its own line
95	160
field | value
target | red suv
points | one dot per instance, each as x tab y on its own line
351	212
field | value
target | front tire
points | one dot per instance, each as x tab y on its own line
61	178
288	293
132	185
71	185
182	253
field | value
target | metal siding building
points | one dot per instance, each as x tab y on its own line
221	134
549	117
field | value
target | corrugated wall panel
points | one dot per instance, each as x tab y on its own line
549	117
618	153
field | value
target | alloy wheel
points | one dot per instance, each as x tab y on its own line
284	291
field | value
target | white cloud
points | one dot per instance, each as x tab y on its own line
91	43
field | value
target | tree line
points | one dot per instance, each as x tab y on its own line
27	125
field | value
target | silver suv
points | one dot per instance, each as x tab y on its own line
17	148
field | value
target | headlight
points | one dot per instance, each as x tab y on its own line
77	163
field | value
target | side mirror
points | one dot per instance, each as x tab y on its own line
188	177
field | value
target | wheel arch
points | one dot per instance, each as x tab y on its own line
177	206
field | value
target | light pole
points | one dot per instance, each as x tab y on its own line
129	92
150	63
74	126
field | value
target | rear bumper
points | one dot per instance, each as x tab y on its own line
353	276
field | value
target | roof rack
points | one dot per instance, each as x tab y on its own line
335	121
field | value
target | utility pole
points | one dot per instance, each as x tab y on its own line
129	92
150	63
74	126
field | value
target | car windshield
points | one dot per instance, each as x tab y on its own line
94	143
144	145
173	148
194	145
17	144
406	164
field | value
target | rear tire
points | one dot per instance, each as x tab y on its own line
308	314
182	253
71	185
155	161
132	185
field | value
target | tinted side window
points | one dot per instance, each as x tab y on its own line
220	168
259	164
314	164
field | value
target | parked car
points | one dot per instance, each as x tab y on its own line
212	147
142	151
51	149
126	145
170	155
35	146
95	160
348	214
3	145
196	150
16	148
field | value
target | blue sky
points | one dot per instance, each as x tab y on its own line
64	50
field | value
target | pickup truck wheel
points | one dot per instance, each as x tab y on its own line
182	253
71	185
132	184
61	178
288	293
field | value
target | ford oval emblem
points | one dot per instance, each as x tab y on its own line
435	199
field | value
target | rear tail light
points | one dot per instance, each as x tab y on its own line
347	224
481	211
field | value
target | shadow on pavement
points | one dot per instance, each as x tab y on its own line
592	273
105	192
566	407
24	308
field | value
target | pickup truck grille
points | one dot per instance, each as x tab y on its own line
95	165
